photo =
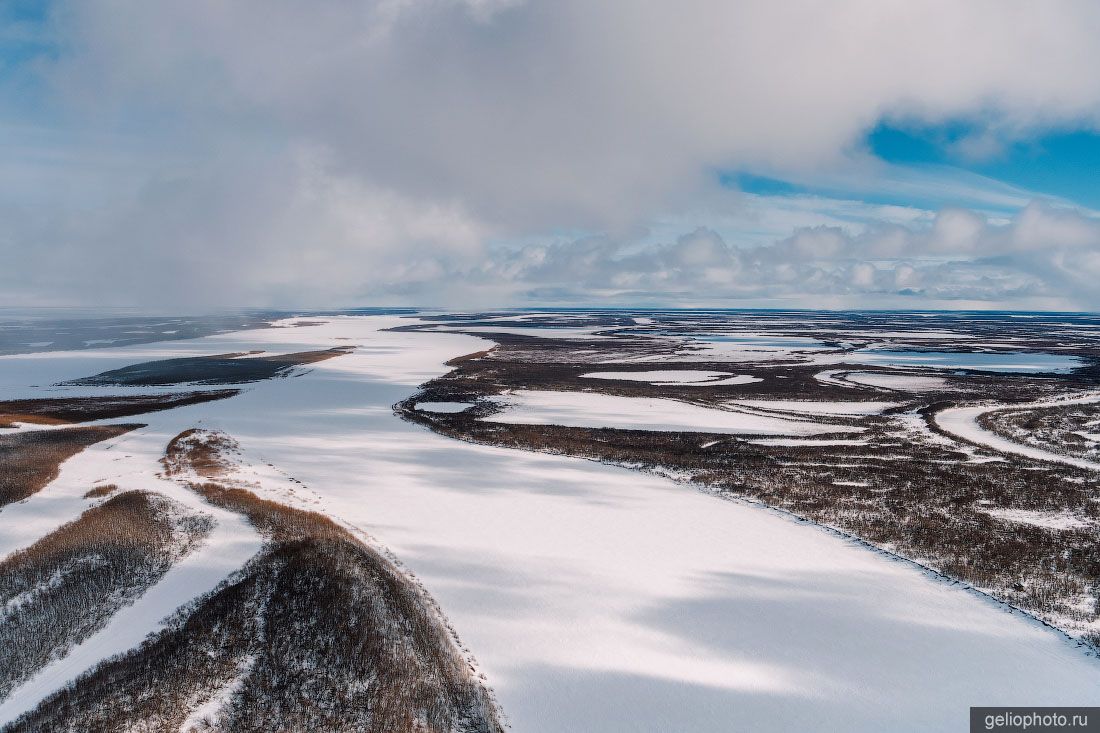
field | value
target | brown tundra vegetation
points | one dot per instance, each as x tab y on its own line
60	590
318	632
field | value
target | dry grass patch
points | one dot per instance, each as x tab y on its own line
204	453
98	492
30	460
66	586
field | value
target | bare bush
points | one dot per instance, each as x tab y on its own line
66	586
318	632
98	492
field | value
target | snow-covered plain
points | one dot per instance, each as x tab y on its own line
677	377
745	347
443	406
903	382
597	598
593	410
565	332
817	407
1047	520
735	379
805	442
999	362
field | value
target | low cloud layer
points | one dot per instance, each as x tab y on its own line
290	153
1043	258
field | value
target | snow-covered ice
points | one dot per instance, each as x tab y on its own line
903	382
594	410
1047	520
559	332
677	377
735	379
817	407
443	406
1000	362
805	442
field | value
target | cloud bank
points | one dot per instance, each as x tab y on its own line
335	152
1044	259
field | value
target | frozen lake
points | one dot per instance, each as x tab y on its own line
1002	362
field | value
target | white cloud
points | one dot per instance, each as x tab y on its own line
282	230
434	126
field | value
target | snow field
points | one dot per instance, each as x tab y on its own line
593	410
677	377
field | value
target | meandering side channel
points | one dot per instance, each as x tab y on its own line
962	422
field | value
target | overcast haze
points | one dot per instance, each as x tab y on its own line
487	153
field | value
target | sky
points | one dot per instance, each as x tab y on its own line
487	153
